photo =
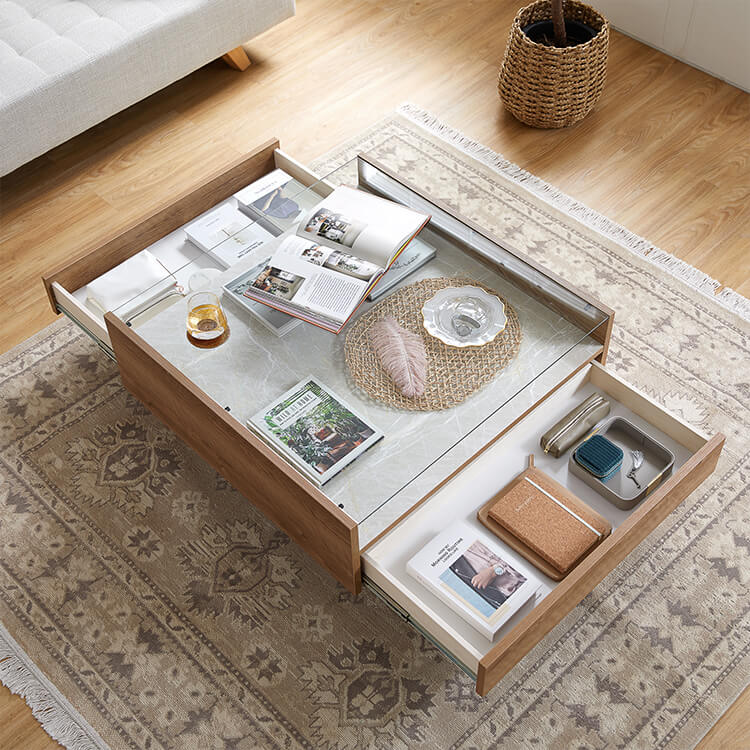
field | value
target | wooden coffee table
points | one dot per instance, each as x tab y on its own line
432	468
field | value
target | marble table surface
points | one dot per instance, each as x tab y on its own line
420	449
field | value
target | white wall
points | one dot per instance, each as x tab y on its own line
713	35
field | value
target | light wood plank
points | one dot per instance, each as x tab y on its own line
19	730
732	731
237	58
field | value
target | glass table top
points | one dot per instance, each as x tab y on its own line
419	448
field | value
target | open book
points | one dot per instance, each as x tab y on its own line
341	249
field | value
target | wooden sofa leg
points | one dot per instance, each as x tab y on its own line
237	59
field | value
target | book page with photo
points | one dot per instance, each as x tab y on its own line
325	271
315	429
274	320
313	281
479	579
361	224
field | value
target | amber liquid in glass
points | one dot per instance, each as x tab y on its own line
202	320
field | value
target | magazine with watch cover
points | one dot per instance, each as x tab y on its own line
479	579
339	251
316	430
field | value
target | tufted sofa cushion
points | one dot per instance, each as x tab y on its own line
67	64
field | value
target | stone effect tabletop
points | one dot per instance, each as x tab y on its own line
420	449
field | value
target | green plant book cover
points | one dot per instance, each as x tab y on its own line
315	429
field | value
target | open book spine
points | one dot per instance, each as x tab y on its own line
317	319
380	275
327	324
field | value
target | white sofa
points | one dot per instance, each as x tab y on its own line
66	65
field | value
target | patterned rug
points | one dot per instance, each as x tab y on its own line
136	586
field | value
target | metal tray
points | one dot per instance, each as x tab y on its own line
620	490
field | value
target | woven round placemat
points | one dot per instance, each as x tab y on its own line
453	373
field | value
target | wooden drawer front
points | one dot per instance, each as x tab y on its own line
384	562
91	262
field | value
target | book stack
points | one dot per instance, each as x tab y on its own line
416	254
274	320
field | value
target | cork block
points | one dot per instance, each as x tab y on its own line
545	522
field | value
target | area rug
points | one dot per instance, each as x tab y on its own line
147	605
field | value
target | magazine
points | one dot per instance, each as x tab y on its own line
276	200
314	429
341	249
274	320
226	234
415	256
478	579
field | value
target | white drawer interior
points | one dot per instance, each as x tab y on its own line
179	257
384	563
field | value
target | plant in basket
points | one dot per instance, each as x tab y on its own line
555	63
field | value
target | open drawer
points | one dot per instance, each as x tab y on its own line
159	231
384	561
286	497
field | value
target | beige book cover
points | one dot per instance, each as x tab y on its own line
548	519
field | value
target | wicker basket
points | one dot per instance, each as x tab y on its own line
551	87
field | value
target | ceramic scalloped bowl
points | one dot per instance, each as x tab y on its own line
464	316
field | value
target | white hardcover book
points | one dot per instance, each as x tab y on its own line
227	234
236	247
216	226
479	579
275	321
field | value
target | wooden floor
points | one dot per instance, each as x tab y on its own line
666	154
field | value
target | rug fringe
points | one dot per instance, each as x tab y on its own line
693	277
56	715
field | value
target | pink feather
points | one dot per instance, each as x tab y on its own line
402	355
